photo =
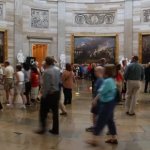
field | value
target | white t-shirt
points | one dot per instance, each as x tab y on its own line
21	77
9	72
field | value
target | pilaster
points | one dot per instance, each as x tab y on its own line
128	29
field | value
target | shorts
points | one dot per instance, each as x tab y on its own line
34	92
19	89
8	84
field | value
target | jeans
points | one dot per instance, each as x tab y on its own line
67	96
106	117
51	101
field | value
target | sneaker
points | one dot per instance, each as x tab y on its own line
90	129
53	132
23	107
133	114
40	131
10	105
63	114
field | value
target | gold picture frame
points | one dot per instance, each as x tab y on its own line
5	44
141	35
73	36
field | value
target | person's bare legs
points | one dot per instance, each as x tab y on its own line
11	97
7	96
62	108
11	94
24	100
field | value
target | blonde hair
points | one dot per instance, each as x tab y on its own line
100	69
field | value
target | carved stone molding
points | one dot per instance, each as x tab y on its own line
146	15
39	18
39	38
95	18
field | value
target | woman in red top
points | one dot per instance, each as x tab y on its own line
35	81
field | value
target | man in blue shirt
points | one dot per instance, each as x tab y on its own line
134	73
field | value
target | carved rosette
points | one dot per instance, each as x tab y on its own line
95	18
146	15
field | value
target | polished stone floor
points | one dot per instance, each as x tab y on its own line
17	126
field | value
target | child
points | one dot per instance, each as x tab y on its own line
99	71
35	81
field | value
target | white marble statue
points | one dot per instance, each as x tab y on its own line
20	57
62	61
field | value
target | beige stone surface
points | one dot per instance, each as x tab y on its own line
17	127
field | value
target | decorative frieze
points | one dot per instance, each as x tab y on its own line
95	18
39	18
146	15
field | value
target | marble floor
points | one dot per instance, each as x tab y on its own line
17	126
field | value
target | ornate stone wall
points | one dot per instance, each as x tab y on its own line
39	18
7	23
141	18
98	18
58	19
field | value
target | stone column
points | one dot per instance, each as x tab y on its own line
18	28
61	27
128	29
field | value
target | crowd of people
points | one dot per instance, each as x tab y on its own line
34	84
111	84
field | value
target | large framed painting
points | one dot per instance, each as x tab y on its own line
3	45
91	48
144	47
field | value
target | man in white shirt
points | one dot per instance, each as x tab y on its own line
9	82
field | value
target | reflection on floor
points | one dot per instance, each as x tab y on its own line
17	127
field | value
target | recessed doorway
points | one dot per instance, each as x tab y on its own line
39	51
